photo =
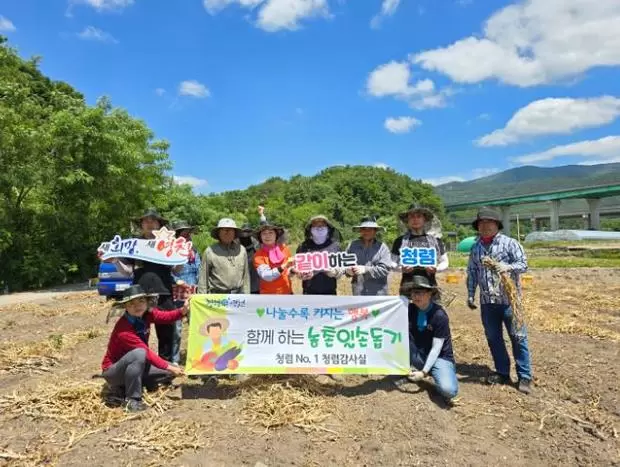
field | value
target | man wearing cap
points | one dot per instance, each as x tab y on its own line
251	245
148	223
418	220
507	256
321	235
186	282
370	276
224	268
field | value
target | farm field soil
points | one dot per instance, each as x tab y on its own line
51	412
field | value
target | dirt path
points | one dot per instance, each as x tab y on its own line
40	296
572	418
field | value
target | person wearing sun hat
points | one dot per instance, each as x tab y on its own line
370	276
273	261
321	235
148	223
419	220
430	340
224	268
508	257
129	363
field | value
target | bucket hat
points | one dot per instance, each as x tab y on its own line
488	214
151	212
368	222
131	293
267	226
183	225
416	207
225	223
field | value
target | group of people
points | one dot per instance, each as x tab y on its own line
258	261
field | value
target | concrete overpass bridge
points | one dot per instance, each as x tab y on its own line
592	195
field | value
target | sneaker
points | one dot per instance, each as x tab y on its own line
525	386
135	405
496	378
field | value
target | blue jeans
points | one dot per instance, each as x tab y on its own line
443	371
493	317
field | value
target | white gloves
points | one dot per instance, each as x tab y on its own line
416	376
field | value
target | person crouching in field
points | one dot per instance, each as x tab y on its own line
430	341
370	276
273	261
129	363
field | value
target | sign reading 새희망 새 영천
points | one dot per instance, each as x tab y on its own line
288	334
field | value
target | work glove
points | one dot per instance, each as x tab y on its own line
360	270
471	304
332	273
503	267
416	376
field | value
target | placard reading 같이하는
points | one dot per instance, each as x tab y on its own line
324	261
295	334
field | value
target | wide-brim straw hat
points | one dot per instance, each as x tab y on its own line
368	223
225	223
221	321
417	282
415	207
131	293
151	212
488	214
183	225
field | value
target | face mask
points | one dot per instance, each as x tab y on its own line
319	234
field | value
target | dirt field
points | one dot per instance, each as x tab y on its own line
51	412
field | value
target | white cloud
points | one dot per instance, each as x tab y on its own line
160	91
443	180
533	42
189	180
275	15
388	8
91	33
552	117
6	25
105	5
194	89
381	165
393	79
604	149
474	174
286	14
401	124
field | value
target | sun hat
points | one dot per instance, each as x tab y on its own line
221	321
131	293
183	225
416	207
152	212
225	223
368	222
267	226
488	214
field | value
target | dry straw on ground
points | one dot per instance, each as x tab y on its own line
273	401
166	438
40	356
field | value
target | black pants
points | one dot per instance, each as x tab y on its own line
165	332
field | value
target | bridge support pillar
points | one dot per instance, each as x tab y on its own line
506	219
555	214
595	213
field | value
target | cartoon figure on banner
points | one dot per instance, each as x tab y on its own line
219	353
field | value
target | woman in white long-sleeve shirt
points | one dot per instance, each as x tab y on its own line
430	341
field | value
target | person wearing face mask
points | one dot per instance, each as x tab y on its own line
273	261
320	235
418	220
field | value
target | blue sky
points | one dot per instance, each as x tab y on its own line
249	89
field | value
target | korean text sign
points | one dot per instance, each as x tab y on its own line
291	334
163	249
418	257
324	261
